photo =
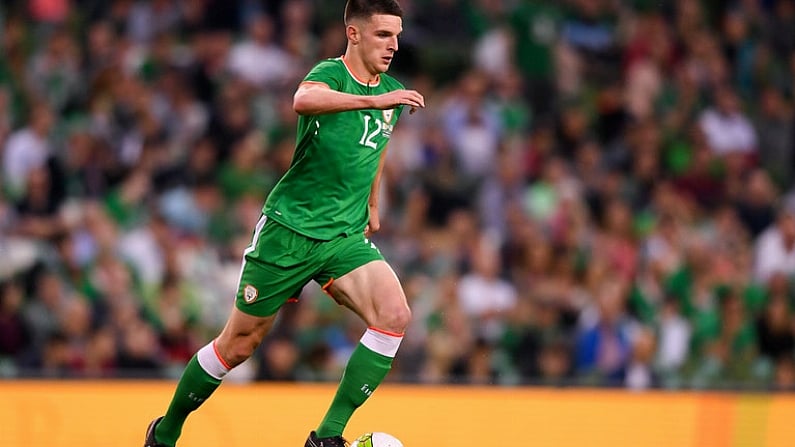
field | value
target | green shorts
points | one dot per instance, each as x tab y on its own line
280	262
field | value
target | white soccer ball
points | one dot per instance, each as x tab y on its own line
376	439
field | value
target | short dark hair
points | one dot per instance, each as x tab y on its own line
364	9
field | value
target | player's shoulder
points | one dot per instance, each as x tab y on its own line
330	64
327	71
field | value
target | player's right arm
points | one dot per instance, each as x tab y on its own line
317	98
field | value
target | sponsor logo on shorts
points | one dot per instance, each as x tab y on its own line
250	293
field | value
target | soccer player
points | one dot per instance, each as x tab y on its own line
315	225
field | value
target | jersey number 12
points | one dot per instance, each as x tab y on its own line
368	135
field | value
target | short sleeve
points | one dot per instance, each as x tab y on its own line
327	72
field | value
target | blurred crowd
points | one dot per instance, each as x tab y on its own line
599	192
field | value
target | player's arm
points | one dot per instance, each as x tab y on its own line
317	98
375	221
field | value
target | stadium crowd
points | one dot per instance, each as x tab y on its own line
599	192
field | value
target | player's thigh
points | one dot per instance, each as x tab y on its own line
363	281
276	267
374	292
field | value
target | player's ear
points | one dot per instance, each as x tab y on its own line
352	31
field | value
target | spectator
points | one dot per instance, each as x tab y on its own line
648	57
247	170
38	211
139	352
587	30
258	59
148	248
53	73
15	333
145	20
702	180
616	244
477	367
231	119
472	125
444	20
674	334
176	315
728	130
756	206
554	362
775	124
780	21
279	362
483	295
450	335
603	344
774	250
501	192
299	38
27	149
776	339
88	165
447	188
103	42
784	375
100	354
536	29
640	373
728	345
186	120
542	351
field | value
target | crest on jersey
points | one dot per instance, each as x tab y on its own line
387	114
250	293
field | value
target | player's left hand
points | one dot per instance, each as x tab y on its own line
395	98
374	225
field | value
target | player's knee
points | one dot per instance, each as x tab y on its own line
394	319
403	317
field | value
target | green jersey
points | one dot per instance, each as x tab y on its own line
324	193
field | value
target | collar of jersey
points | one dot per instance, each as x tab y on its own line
356	78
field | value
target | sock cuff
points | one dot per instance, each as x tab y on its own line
381	342
211	362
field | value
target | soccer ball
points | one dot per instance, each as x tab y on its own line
376	439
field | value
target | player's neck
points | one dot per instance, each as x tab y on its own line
358	69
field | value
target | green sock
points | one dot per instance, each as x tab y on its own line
363	373
194	387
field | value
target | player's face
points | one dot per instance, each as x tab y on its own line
379	41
